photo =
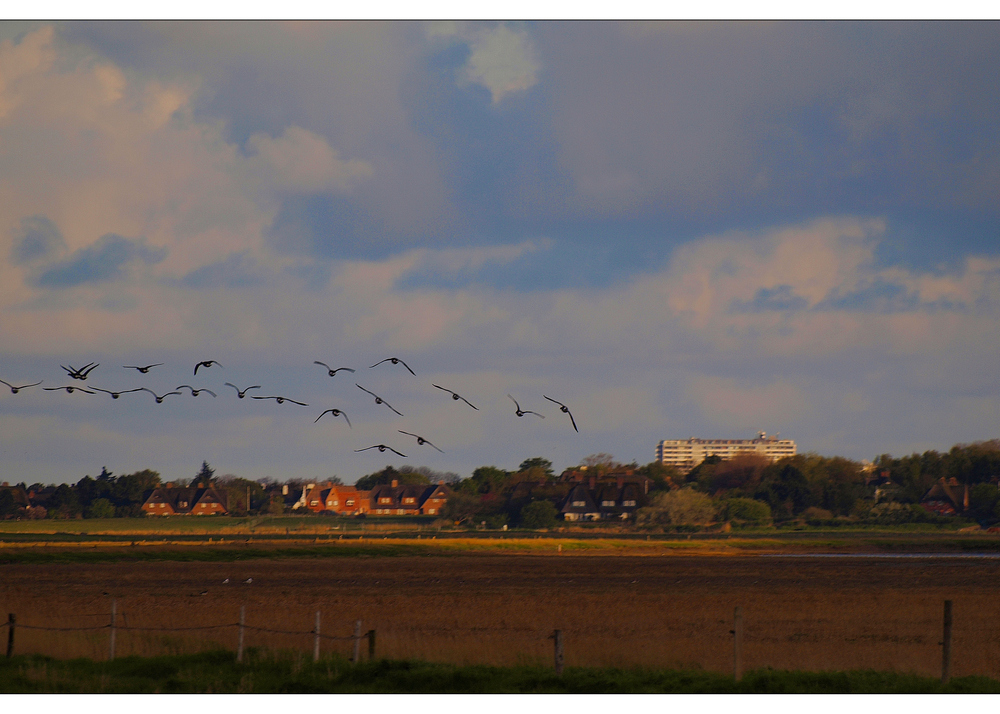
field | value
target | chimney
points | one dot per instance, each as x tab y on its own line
440	483
395	483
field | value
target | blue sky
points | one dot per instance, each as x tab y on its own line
677	229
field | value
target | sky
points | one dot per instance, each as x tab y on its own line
689	229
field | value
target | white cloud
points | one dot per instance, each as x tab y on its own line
502	60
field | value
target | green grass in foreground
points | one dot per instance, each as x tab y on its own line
217	672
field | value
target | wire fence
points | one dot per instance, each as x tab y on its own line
113	627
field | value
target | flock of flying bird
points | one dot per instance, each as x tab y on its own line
84	372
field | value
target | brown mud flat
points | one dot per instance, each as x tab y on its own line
617	610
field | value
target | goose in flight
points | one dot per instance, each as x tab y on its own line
142	370
395	360
282	400
521	412
196	392
15	390
69	390
159	399
456	397
564	409
332	371
115	395
81	373
336	413
243	393
420	440
206	364
382	448
378	399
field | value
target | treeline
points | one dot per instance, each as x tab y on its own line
747	489
110	496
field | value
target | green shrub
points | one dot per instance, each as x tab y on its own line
746	510
539	514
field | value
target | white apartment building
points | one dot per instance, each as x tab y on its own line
685	454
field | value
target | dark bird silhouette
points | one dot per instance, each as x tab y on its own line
381	447
15	390
142	370
282	400
206	364
456	397
395	360
336	413
159	399
332	371
81	373
521	412
378	399
420	440
69	390
196	392
115	395
244	392
563	408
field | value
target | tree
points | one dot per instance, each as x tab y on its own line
601	463
205	477
681	507
461	507
489	479
100	508
388	475
539	514
544	466
8	505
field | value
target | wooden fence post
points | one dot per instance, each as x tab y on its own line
738	644
316	639
371	645
357	642
114	607
946	644
11	621
239	646
558	653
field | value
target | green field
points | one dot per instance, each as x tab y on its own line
285	673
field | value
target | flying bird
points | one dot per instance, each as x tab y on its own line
332	371
420	440
282	400
142	370
115	395
336	413
456	397
381	447
81	373
378	399
521	412
206	364
395	360
159	399
69	390
564	409
196	392
244	392
15	390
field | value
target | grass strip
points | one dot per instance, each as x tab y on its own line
267	672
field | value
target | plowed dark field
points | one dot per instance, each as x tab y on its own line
672	611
